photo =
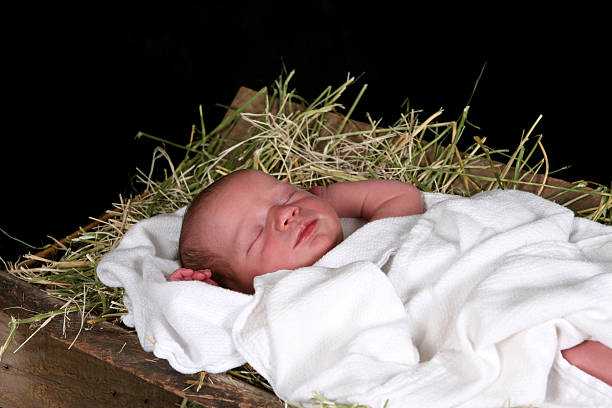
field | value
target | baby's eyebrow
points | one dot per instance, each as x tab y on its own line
284	188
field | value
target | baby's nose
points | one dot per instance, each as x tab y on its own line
285	216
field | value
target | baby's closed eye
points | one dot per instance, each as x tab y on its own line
255	236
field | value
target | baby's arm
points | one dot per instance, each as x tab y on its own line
372	199
593	358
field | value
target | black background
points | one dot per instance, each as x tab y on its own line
79	83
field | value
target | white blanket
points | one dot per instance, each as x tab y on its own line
465	305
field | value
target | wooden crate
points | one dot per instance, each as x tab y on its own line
106	365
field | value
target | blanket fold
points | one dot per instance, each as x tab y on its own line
467	304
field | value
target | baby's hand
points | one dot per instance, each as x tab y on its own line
184	274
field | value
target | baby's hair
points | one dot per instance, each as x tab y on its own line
197	257
200	258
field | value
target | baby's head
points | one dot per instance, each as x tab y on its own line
249	223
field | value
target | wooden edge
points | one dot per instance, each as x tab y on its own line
121	349
52	250
46	373
242	129
553	190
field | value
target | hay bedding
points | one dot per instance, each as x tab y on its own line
305	144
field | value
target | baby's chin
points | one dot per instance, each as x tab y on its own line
327	245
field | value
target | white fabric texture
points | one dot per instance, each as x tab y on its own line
465	305
187	323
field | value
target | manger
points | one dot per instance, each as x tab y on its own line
81	351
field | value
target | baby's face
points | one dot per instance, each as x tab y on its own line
260	225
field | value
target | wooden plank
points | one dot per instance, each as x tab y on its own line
550	191
126	364
46	374
242	129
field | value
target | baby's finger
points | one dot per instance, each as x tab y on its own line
180	274
202	274
197	275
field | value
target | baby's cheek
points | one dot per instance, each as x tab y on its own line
279	260
321	245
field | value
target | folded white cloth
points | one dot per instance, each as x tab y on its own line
465	305
187	323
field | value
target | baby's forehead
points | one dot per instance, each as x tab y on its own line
249	185
248	179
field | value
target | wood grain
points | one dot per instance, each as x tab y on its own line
105	364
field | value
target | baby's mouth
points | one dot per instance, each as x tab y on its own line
307	229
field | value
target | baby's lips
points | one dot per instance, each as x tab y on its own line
305	231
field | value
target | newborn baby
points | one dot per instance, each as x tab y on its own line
249	223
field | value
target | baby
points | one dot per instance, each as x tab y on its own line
249	223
